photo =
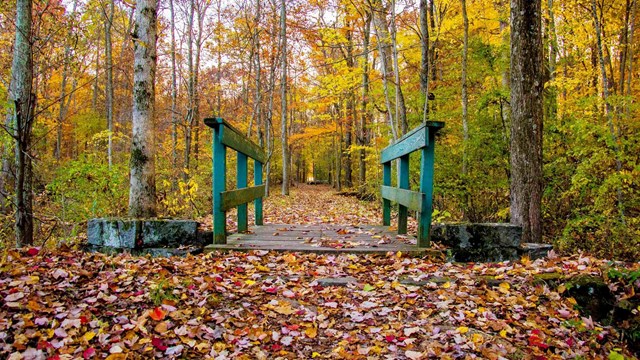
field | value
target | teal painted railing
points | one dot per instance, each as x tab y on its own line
421	138
226	136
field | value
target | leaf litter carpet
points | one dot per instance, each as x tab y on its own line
66	304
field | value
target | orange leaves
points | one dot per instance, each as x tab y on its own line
157	314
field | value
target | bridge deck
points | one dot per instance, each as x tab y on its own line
323	238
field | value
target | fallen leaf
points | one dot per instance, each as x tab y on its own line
157	314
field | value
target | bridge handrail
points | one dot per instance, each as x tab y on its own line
421	138
226	136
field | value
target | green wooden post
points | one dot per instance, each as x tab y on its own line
219	185
386	204
426	188
403	183
257	180
241	182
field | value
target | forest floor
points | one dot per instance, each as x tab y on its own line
63	303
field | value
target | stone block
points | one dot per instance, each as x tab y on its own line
115	233
172	233
479	242
535	251
139	234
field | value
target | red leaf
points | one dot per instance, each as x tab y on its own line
158	344
390	338
83	319
157	314
271	290
54	357
44	345
33	252
89	353
276	347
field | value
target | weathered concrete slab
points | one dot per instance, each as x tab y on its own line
479	242
165	232
114	233
119	233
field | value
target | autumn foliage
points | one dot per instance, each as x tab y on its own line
339	119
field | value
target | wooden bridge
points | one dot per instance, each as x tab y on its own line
324	237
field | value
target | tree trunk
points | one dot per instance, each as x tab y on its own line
424	63
432	53
96	82
108	50
607	106
256	116
188	130
24	98
142	193
401	110
553	54
465	98
283	99
631	54
527	113
350	115
174	97
382	34
364	112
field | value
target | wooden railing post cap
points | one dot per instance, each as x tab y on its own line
435	125
214	121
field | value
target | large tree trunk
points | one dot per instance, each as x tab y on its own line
23	97
109	72
142	193
527	113
465	98
283	98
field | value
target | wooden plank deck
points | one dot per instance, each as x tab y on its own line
322	238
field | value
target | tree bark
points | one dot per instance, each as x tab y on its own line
401	110
382	34
23	96
350	115
424	63
364	113
190	116
283	99
142	193
527	118
109	72
174	96
256	116
465	98
553	54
